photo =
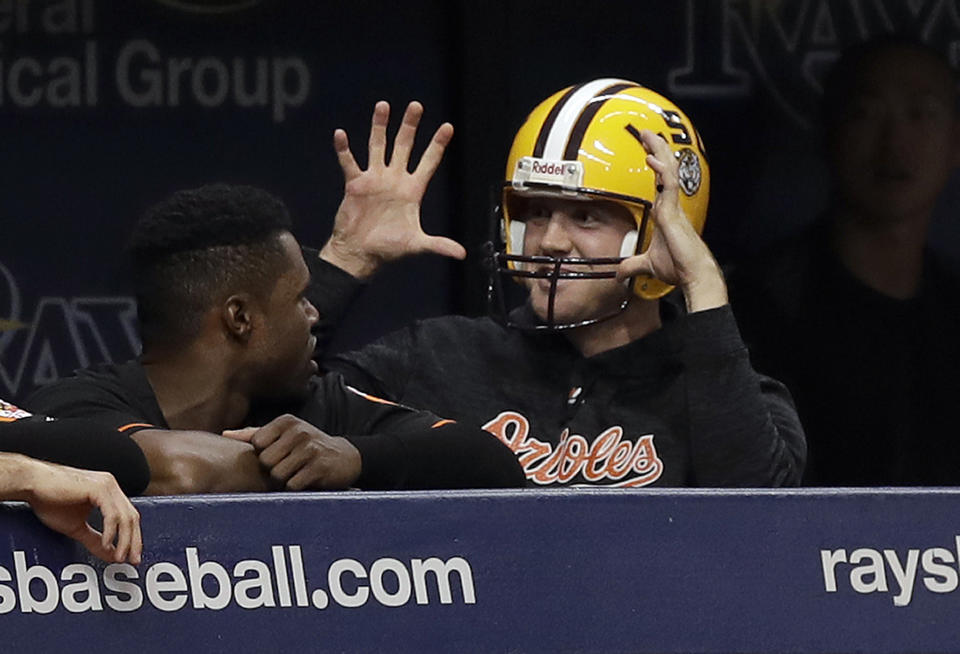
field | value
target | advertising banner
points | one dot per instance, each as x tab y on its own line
488	571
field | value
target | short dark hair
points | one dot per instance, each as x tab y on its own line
195	246
838	83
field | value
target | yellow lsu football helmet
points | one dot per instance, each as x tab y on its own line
584	142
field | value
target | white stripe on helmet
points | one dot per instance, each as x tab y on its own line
571	110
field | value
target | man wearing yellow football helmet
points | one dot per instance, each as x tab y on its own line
586	167
585	143
608	380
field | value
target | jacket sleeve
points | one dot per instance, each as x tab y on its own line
448	455
744	428
80	443
331	291
380	368
404	448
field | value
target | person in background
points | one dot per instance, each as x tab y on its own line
857	314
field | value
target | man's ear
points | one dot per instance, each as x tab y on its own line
236	313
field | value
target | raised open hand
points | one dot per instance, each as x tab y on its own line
379	218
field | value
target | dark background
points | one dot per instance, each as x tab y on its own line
75	178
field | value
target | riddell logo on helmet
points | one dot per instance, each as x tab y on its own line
568	174
550	168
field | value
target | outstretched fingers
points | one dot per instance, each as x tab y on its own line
348	164
433	155
403	143
378	134
379	218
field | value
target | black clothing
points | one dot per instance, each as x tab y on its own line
679	407
874	377
80	443
399	447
